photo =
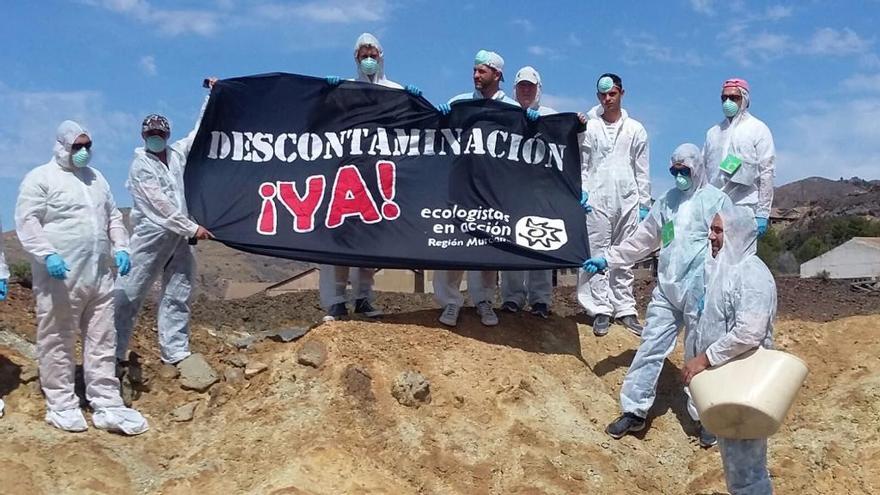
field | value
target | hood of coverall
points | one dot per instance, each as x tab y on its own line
66	134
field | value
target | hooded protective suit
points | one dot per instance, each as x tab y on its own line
747	139
738	315
614	171
160	247
70	212
334	279
4	269
678	224
534	286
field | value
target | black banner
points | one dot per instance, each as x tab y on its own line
362	175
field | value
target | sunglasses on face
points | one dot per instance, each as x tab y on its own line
736	98
79	146
680	171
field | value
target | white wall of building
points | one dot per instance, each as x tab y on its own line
857	258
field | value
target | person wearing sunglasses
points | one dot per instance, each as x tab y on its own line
740	153
67	221
160	245
677	225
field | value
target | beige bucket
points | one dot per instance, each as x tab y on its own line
749	396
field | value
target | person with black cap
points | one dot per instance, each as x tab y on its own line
159	242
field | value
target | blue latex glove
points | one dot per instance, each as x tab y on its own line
4	289
585	198
444	108
56	266
532	114
762	225
643	213
413	90
596	264
333	80
123	262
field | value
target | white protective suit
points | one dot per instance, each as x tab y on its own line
334	279
750	140
481	284
4	269
614	171
70	211
680	282
533	286
737	316
160	248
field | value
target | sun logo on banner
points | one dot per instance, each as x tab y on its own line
541	234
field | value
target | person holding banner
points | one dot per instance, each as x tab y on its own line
488	74
615	183
535	286
677	225
740	153
67	221
369	59
737	316
162	227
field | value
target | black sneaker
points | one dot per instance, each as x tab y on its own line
631	322
707	438
510	307
541	310
362	307
629	422
601	324
337	311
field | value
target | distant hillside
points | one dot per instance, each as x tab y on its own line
819	191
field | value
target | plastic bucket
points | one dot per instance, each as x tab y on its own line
749	396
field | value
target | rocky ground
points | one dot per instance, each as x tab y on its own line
407	406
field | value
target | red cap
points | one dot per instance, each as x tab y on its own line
736	83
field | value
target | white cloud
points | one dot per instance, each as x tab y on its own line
562	103
326	12
641	48
574	40
830	139
524	24
148	65
171	22
703	6
777	12
828	41
863	82
28	123
543	51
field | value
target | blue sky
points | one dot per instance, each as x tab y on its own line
814	67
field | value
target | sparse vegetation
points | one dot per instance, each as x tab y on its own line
21	274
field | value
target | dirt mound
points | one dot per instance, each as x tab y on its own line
519	408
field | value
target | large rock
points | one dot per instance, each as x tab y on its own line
411	389
185	412
196	374
313	353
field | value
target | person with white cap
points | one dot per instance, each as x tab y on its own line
534	287
68	223
740	153
617	196
160	245
488	74
369	59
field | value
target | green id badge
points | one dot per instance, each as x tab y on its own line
731	164
667	233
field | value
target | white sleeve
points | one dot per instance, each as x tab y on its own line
147	194
4	269
185	145
766	153
644	241
641	168
585	151
29	212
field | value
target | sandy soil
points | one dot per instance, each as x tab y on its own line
516	409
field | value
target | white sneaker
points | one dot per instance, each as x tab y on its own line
449	316
71	420
487	314
120	420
